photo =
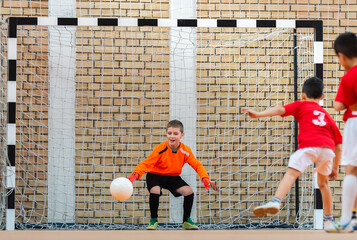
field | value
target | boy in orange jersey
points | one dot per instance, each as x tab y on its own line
163	167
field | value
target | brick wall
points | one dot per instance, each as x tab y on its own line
124	88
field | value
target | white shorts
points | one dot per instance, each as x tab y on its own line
349	146
303	158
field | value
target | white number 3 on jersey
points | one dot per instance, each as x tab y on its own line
320	121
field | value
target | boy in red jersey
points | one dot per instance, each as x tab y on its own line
345	47
319	142
163	167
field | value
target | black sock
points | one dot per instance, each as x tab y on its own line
187	206
154	204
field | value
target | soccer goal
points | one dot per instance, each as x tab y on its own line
87	99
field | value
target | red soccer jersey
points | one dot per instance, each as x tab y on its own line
316	126
349	86
340	98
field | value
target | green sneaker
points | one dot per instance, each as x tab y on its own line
189	225
153	224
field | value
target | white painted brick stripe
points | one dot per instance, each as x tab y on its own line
87	22
10	219
247	23
11	91
318	219
10	177
12	48
285	23
167	22
321	102
318	52
11	134
128	22
206	23
316	186
47	21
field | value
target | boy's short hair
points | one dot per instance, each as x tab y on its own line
346	43
175	124
313	88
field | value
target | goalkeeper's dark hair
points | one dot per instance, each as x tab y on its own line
313	88
346	43
175	124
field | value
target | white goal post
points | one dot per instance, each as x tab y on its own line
121	108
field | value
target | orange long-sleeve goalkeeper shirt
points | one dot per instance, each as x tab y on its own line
163	161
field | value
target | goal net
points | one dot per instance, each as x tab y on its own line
3	121
92	102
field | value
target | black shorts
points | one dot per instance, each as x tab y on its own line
167	182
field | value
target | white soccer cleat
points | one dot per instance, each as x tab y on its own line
328	225
339	228
354	223
271	208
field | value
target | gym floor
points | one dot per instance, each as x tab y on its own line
175	235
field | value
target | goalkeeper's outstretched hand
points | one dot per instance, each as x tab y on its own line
133	177
208	184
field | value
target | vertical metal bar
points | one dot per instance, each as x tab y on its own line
61	172
11	125
296	127
183	91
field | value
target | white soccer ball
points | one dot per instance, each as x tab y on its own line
121	188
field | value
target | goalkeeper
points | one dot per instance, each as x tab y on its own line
319	142
163	167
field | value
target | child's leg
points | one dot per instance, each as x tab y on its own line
285	184
154	201
188	194
324	187
187	206
349	193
